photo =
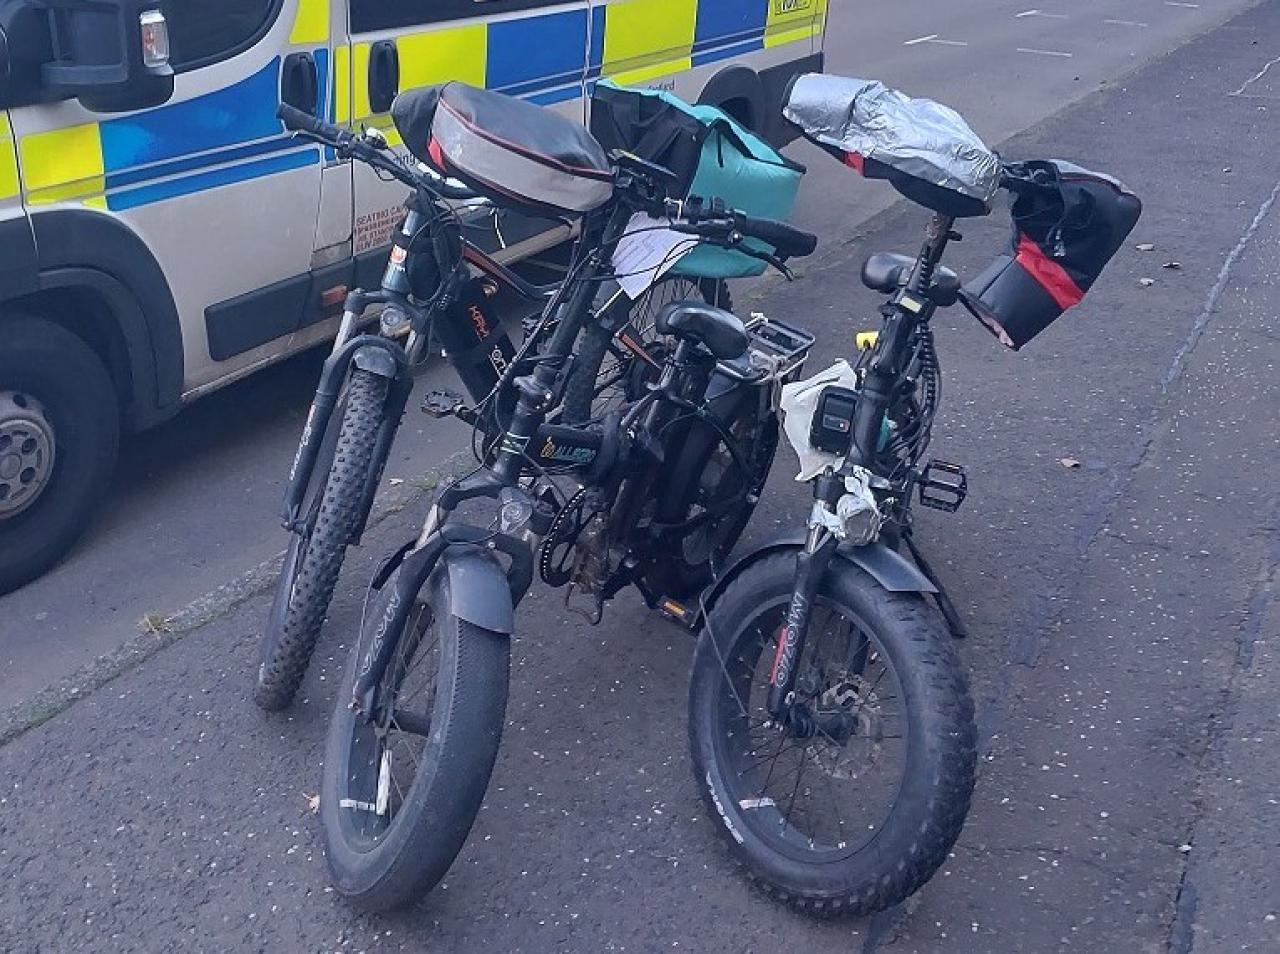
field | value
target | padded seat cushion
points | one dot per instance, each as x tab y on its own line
722	332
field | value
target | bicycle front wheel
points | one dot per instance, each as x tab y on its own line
401	791
315	554
854	804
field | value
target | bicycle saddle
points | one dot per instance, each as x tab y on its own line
888	271
720	331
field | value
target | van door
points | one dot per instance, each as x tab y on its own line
535	49
225	200
331	264
11	204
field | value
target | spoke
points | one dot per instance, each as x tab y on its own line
786	776
835	801
409	750
411	723
804	760
756	762
422	653
777	751
399	791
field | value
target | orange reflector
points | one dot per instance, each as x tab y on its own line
333	296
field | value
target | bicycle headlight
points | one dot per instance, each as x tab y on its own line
856	511
859	519
394	322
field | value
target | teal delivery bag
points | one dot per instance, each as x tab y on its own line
713	157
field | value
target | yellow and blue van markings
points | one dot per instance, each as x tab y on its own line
539	56
170	151
232	134
310	23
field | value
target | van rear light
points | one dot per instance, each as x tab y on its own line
155	39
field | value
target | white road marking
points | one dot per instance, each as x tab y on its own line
1023	49
1040	13
1175	3
933	38
1255	77
1132	23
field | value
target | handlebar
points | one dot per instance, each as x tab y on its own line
714	221
789	241
298	121
361	148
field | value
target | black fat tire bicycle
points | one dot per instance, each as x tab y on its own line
347	440
336	505
830	723
593	491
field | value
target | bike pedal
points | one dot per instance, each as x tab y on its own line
677	612
943	486
440	404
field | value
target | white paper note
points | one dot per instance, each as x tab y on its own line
646	251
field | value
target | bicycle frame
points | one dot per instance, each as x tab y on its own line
383	354
909	308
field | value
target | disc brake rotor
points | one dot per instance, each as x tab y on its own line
27	451
852	695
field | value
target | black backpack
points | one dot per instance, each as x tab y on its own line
1068	223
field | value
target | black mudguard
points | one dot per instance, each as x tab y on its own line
887	567
479	591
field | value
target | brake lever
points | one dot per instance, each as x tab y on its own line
779	264
735	243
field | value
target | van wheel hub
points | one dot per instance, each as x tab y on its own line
26	452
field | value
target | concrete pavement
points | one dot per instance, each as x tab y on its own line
194	503
1124	619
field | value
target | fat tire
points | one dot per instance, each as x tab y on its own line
60	370
309	575
930	810
440	807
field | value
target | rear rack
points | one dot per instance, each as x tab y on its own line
775	349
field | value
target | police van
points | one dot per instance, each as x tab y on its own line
161	235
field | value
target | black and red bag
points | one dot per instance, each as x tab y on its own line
1068	222
512	151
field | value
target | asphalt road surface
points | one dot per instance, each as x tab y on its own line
1123	612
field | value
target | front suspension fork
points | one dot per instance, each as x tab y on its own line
811	566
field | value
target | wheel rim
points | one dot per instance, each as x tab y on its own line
612	378
816	799
384	756
27	452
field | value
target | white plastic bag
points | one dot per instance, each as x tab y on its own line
799	403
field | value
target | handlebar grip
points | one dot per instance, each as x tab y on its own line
299	121
790	242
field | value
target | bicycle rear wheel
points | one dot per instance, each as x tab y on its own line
605	370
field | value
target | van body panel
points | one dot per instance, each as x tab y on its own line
248	226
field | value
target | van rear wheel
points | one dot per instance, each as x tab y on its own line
59	438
